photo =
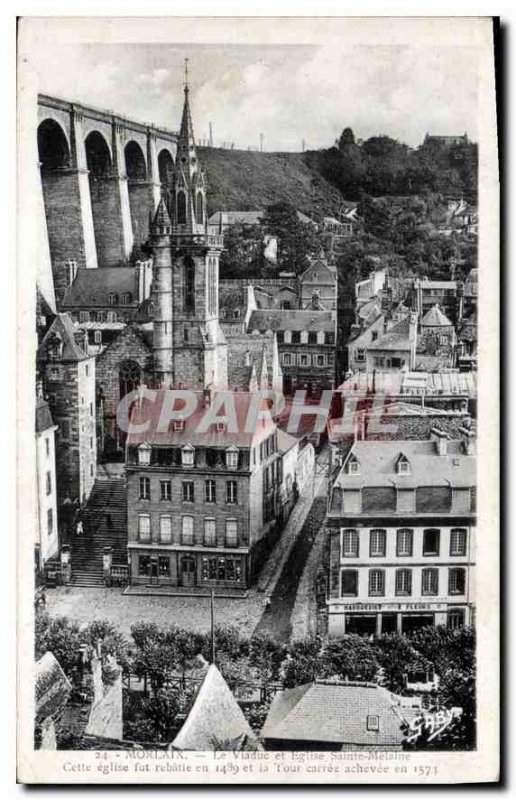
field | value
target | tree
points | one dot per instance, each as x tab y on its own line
243	251
63	639
352	658
347	137
297	240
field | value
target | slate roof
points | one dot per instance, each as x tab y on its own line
52	686
396	338
286	441
435	284
215	720
378	460
91	287
44	419
435	318
230	217
394	383
64	328
241	402
337	713
258	346
273	319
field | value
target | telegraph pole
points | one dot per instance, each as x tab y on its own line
261	142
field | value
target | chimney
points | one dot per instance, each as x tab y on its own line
469	440
207	397
440	438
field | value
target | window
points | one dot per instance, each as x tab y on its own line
97	337
304	360
320	361
181	208
91	409
187	457
111	316
374	336
456	618
188	492
403	466
360	354
210	492
48	483
91	470
353	466
231	459
210	535
349	583
165	490
165	529
189	284
231	492
376	499
280	336
456	581
403	582
433	499
312	337
164	567
144	565
112	299
144	527
404	542
458	539
430	581
373	722
126	298
144	488
231	533
431	542
50	522
47	447
287	359
199	208
376	582
377	540
379	361
296	337
349	544
187	530
144	454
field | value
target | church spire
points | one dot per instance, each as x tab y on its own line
186	141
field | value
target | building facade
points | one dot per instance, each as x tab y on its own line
202	504
68	377
401	519
47	540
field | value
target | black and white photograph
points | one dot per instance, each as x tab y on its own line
258	291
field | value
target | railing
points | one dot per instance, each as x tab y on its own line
119	575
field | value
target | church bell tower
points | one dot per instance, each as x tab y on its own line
199	349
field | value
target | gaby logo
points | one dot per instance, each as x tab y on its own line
432	723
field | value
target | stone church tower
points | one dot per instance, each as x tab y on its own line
189	346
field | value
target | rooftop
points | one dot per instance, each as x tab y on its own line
63	329
378	460
91	287
273	319
401	336
44	419
435	318
322	712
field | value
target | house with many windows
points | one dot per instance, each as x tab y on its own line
47	540
203	497
306	345
401	520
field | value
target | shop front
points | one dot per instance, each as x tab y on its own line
375	619
188	569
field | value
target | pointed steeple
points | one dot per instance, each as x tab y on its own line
161	225
186	139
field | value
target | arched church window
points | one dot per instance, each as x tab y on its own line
189	285
181	208
199	208
129	377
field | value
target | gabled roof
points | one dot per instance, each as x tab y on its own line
319	265
52	686
92	287
63	328
322	712
215	720
44	419
396	338
434	318
273	319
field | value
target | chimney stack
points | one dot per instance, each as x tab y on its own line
469	440
441	439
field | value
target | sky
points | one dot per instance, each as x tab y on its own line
286	92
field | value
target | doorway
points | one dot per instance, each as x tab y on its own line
188	571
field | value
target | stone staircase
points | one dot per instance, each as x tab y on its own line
104	525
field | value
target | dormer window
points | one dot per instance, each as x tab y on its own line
353	466
144	454
179	424
220	427
187	456
403	466
232	458
126	298
113	299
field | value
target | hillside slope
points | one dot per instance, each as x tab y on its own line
239	180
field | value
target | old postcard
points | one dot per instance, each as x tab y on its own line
258	401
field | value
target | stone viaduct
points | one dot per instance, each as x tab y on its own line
101	180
